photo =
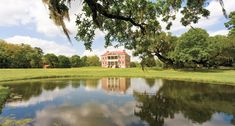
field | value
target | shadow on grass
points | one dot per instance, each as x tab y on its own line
207	70
201	70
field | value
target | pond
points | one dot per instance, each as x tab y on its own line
118	102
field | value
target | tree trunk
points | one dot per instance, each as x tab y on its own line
166	61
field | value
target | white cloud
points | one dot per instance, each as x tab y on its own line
16	12
46	46
88	114
24	12
220	32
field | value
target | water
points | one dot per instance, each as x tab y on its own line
119	102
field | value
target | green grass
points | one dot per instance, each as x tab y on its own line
214	76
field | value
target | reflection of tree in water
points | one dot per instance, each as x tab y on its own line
3	95
233	121
91	83
197	102
154	109
150	81
26	90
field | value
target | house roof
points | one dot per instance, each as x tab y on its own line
115	53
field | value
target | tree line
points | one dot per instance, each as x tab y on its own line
193	49
24	56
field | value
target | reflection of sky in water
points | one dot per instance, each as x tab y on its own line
89	105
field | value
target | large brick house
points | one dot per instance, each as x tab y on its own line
115	59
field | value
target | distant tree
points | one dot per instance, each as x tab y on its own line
133	64
191	48
5	60
93	61
51	59
19	56
75	61
84	61
221	50
64	62
148	61
36	58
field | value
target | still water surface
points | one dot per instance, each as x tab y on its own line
120	102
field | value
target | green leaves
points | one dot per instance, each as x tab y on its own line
195	48
125	21
135	24
19	56
231	24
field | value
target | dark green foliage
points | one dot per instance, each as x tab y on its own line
231	24
191	48
36	58
222	51
148	61
93	61
75	61
24	56
4	93
114	17
133	64
84	61
19	56
51	60
64	62
196	48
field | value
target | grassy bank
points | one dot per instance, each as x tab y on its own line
216	76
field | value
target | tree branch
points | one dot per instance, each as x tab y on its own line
96	7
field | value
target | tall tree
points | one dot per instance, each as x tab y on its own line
128	22
191	48
221	50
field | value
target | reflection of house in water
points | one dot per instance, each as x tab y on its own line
119	85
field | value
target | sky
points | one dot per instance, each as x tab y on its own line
27	21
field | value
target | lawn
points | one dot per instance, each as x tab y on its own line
215	76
